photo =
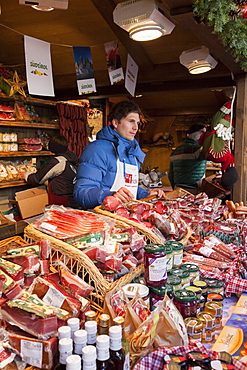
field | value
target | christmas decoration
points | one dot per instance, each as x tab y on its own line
16	85
229	20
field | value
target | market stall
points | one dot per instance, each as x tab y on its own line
170	271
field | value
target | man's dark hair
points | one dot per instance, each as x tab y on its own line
58	144
122	109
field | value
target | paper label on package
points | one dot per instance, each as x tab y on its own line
47	226
205	251
208	243
54	297
31	352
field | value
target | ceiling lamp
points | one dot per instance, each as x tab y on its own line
46	5
143	19
198	60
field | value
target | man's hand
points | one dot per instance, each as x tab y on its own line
157	191
124	195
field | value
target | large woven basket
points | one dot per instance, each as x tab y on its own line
80	264
150	236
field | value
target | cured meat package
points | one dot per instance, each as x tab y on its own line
41	323
36	352
53	293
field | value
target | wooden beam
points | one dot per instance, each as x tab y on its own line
240	187
134	48
151	88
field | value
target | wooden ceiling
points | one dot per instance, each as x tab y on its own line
166	86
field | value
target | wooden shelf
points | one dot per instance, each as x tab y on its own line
25	154
53	126
11	184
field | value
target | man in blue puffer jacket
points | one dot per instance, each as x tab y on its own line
110	164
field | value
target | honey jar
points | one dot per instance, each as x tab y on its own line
216	310
194	328
208	331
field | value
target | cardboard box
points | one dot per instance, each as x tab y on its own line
31	202
233	336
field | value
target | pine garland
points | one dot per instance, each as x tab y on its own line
226	18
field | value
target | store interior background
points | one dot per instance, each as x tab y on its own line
171	98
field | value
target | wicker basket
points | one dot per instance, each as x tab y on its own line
13	242
177	193
80	264
121	221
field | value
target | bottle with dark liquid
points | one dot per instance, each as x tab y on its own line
116	351
103	353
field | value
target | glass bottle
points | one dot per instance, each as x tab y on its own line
89	358
73	362
103	353
116	351
74	324
64	332
65	346
103	324
91	329
80	341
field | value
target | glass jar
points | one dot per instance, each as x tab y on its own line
131	289
175	282
185	302
215	286
155	265
157	295
184	276
216	310
195	289
216	297
193	270
169	258
177	252
201	284
208	332
1	147
194	328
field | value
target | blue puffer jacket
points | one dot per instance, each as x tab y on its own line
98	167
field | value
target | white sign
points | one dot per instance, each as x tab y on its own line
38	67
131	75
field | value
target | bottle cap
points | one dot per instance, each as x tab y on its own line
74	323
91	327
64	332
103	341
80	336
65	345
90	315
89	353
73	362
115	332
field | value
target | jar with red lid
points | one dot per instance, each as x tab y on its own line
155	265
186	302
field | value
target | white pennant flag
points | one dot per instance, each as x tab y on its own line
38	67
131	75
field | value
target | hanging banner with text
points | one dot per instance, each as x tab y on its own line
131	75
38	67
113	60
84	70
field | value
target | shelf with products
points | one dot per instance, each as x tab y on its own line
25	154
28	124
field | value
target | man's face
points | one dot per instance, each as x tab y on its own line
127	127
196	135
